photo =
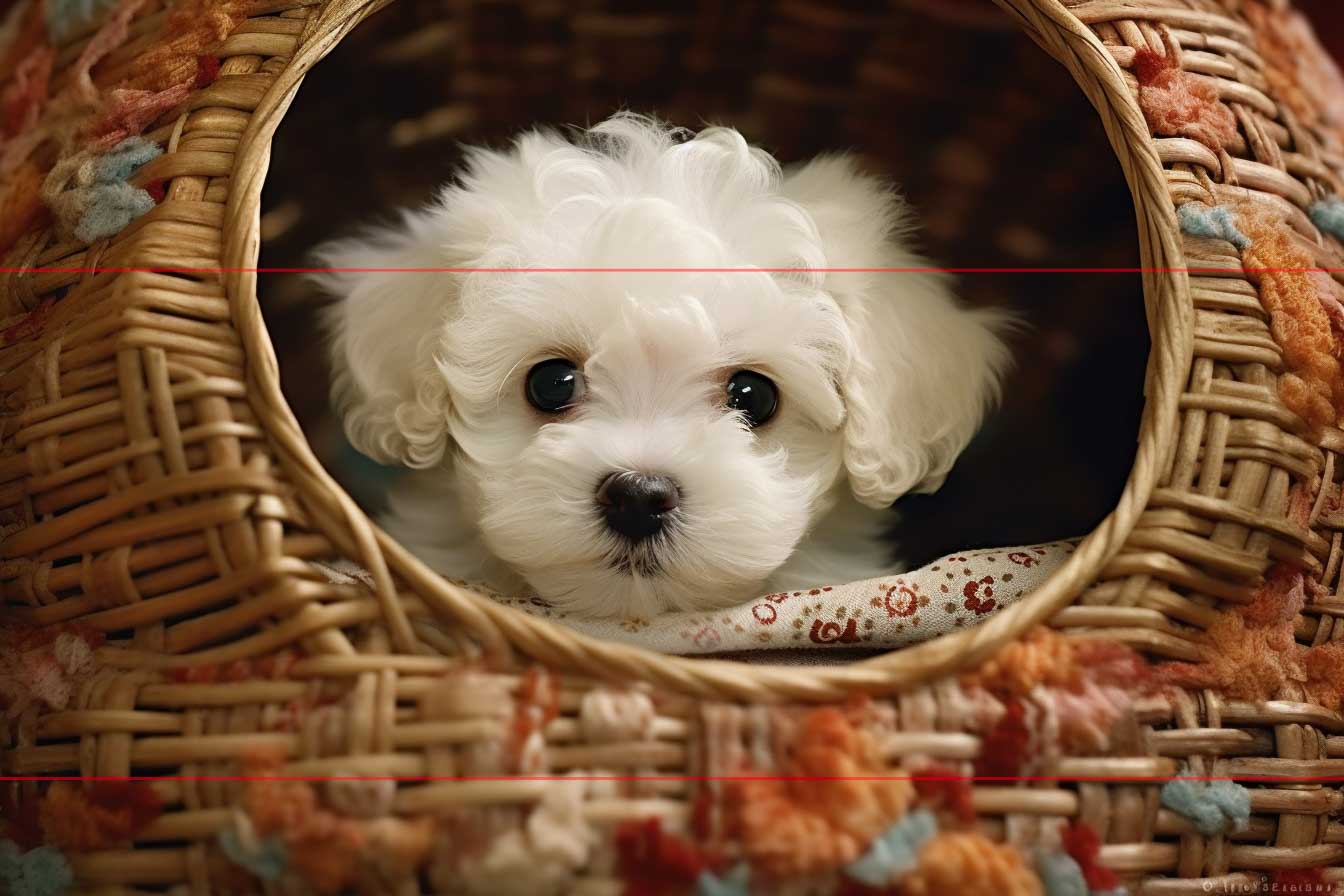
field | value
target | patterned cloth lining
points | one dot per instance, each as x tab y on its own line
954	592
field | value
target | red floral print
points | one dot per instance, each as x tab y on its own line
979	594
901	600
832	632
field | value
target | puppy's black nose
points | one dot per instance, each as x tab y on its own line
636	504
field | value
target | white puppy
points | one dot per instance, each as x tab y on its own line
732	417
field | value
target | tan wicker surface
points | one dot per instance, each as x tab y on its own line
156	486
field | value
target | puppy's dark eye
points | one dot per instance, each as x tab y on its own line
754	395
554	385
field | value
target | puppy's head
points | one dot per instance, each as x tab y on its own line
631	441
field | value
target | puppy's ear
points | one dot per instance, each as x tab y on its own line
925	370
384	330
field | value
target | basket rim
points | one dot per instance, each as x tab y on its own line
500	629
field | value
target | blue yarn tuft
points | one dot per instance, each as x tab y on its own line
1328	215
1214	808
109	203
124	159
1234	801
38	872
1216	222
109	208
66	18
735	883
1060	874
895	851
266	858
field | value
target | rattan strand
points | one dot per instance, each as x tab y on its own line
161	486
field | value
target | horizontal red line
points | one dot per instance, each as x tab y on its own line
1121	779
673	270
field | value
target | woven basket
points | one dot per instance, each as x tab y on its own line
159	494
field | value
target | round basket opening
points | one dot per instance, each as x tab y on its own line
1002	157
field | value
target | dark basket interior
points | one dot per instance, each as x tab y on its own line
990	140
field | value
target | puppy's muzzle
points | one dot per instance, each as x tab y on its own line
636	505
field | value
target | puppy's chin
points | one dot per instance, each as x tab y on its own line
678	570
636	588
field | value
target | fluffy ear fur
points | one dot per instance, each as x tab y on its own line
383	331
926	370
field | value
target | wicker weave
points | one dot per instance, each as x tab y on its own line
156	487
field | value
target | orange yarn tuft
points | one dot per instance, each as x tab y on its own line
22	101
402	844
1043	657
1245	663
797	827
1313	386
1324	666
21	208
104	815
279	807
1179	104
1301	74
1301	498
327	852
192	28
323	847
1279	598
970	864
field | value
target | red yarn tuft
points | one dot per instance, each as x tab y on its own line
702	816
196	674
1150	65
947	792
1110	663
32	325
128	113
1301	880
157	189
537	706
1003	751
272	665
655	863
1081	841
137	799
848	886
207	70
21	819
100	816
1179	104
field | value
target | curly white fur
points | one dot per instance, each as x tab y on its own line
883	378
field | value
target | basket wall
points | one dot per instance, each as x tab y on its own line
159	493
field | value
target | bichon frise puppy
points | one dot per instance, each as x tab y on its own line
646	370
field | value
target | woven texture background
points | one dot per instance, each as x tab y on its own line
161	505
